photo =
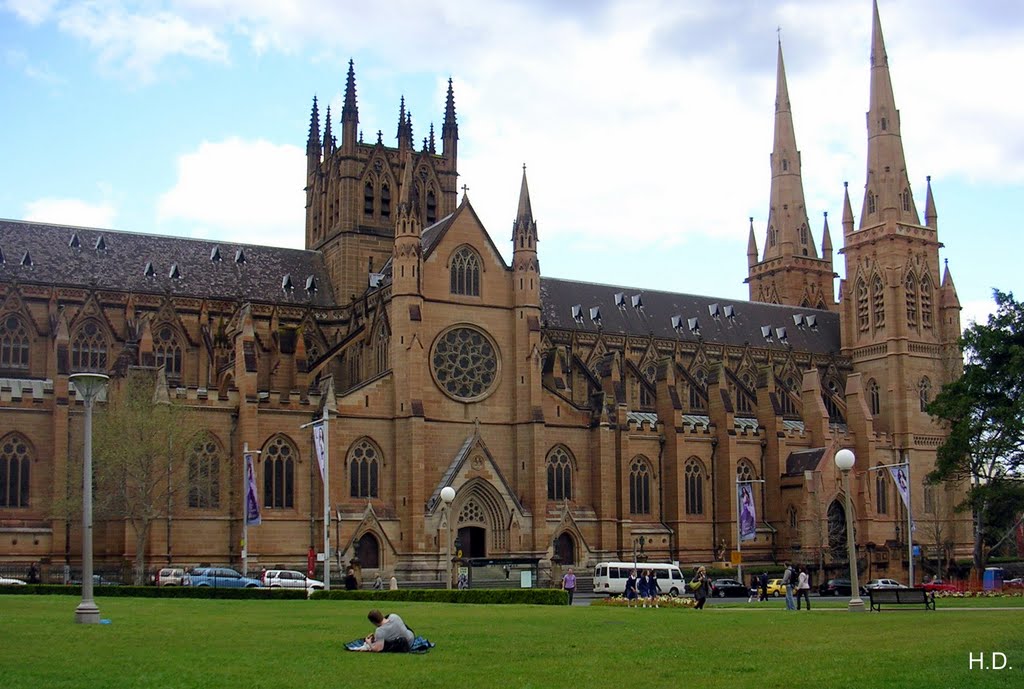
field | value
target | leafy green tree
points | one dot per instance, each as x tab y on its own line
985	412
140	438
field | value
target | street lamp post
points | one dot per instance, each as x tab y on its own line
88	386
844	462
447	495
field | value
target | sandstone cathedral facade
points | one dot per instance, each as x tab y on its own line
575	421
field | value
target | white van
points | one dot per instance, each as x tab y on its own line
610	577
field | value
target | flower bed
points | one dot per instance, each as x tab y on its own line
660	601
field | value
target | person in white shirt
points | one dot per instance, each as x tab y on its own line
803	588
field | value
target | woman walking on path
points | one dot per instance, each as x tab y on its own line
803	588
643	586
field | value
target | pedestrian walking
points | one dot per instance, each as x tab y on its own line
642	585
789	583
763	581
703	588
569	584
653	589
803	588
631	588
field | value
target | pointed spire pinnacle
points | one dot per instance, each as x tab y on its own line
751	246
408	127
314	127
525	211
847	210
781	86
931	218
350	111
401	121
433	149
826	240
450	128
949	297
328	137
887	191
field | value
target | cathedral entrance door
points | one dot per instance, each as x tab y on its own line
473	540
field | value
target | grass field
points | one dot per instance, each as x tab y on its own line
282	644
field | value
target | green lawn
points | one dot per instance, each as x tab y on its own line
281	644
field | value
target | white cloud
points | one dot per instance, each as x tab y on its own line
71	212
976	311
246	191
32	11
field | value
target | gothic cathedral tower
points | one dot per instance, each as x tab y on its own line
790	271
352	189
900	320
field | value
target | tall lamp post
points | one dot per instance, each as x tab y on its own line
447	495
88	386
844	462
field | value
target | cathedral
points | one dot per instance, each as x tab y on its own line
576	422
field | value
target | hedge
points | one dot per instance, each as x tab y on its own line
156	592
476	596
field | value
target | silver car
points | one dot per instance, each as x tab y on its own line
290	579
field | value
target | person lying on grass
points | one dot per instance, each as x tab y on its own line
390	636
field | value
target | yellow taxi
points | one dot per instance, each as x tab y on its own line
776	588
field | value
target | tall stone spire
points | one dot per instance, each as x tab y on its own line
887	190
847	210
826	241
751	246
328	137
402	140
788	228
525	266
350	111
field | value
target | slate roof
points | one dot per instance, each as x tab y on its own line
655	317
68	256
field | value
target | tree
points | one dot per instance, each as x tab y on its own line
984	409
140	438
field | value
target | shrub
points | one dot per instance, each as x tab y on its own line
476	596
156	592
660	601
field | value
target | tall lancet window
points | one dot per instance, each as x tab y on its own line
926	301
911	290
878	301
863	318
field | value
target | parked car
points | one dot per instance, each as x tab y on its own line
97	580
170	576
219	577
5	581
838	587
290	579
939	585
1014	583
722	588
776	588
884	584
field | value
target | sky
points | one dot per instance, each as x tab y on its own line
645	125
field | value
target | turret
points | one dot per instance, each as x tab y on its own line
826	241
408	249
525	266
751	246
931	218
847	211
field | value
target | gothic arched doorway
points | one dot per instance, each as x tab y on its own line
565	549
368	551
473	541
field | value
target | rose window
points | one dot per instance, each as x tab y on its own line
464	363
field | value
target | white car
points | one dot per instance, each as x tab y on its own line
290	579
884	584
4	581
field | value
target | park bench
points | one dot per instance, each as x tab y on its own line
880	597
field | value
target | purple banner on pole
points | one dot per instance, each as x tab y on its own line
252	501
748	515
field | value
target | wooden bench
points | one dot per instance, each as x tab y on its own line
881	597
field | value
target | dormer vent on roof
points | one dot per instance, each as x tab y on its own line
240	256
714	311
780	334
595	315
311	284
798	321
175	274
375	280
766	333
729	311
694	325
101	244
638	302
2	259
150	271
286	283
812	322
215	254
26	260
620	300
577	313
677	323
75	242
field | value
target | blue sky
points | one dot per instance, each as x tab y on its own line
646	125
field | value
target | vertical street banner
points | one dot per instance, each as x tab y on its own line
252	501
748	514
899	477
319	447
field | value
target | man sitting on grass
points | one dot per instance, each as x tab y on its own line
391	635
